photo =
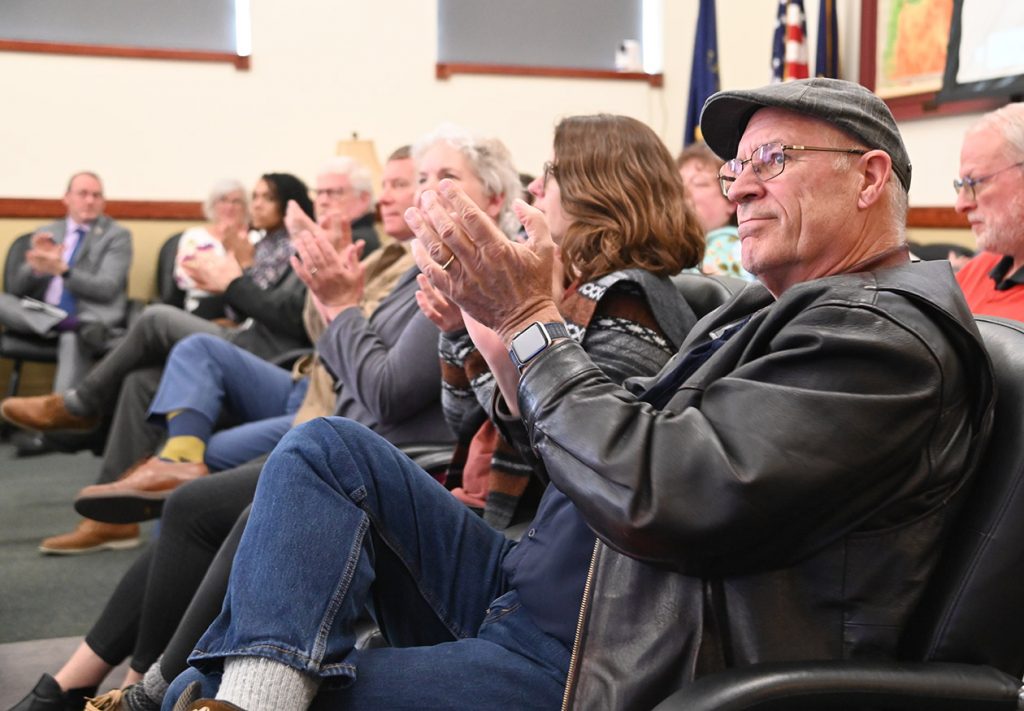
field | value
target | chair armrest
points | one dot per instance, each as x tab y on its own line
287	359
850	685
431	458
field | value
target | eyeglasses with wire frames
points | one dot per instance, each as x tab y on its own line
972	183
550	169
331	193
768	161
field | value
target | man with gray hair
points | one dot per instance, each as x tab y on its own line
777	493
990	192
344	187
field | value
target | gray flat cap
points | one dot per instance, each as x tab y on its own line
844	104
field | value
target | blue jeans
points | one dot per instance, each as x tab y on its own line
343	520
208	374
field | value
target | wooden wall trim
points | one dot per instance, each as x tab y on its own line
12	208
936	217
445	71
96	50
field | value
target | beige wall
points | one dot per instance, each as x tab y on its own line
322	69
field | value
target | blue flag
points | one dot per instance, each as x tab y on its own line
703	71
826	63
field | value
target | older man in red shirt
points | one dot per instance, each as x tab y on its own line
990	191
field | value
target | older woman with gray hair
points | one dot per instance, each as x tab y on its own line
457	150
227	211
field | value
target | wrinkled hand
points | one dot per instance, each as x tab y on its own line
445	314
212	272
335	277
503	284
45	256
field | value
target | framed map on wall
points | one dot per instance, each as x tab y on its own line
911	37
903	45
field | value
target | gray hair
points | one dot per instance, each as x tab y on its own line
221	189
358	174
489	160
895	197
1008	121
898	204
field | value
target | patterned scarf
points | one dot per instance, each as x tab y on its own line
270	258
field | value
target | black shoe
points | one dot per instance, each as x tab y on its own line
47	696
29	444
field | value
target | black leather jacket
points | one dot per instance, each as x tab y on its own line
789	501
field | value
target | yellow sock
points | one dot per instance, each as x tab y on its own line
183	449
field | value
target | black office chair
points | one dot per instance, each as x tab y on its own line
17	346
706	293
965	644
167	290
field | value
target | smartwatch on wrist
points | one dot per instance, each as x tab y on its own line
533	340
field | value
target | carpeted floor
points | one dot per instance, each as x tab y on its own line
46	597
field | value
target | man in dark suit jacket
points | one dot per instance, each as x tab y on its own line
79	264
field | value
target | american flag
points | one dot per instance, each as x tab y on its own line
789	49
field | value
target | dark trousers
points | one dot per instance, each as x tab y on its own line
146	344
147	612
132	436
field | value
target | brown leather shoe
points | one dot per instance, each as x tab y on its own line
43	412
138	495
92	537
211	705
113	700
190	701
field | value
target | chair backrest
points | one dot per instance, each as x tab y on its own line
971	611
706	293
15	257
166	288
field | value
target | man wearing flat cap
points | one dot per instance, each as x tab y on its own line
776	493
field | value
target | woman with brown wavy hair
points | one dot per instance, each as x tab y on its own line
616	206
622	197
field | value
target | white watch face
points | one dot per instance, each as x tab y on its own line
530	342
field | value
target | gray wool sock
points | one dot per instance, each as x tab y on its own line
136	699
154	684
260	684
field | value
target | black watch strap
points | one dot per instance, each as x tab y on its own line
534	340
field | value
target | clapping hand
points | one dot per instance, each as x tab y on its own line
212	272
333	275
445	314
45	256
502	284
333	226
